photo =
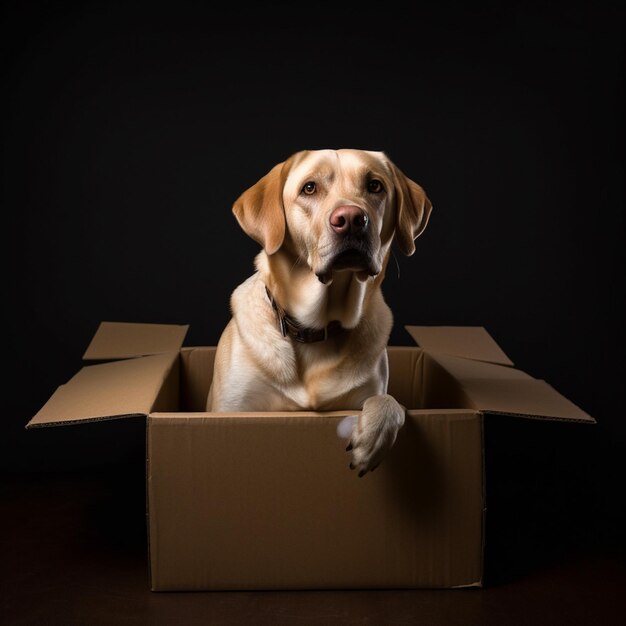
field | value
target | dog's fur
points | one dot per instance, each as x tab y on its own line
302	265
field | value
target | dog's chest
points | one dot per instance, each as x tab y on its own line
321	382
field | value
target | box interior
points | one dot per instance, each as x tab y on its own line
415	380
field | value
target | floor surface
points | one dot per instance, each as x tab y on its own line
73	551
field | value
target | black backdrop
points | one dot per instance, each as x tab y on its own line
129	130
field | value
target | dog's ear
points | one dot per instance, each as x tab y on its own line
412	211
260	210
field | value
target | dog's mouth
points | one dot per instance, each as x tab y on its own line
351	258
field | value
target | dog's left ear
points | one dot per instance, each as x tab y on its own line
412	211
260	210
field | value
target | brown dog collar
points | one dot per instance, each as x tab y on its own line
288	326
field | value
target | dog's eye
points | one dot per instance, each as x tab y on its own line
309	188
374	186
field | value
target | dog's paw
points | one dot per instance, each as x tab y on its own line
374	432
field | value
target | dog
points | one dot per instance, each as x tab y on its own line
309	329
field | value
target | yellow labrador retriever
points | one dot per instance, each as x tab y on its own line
310	327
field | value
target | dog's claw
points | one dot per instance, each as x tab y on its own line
349	447
362	473
351	466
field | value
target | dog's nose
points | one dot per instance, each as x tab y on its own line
348	219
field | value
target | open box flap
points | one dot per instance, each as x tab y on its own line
496	389
108	391
121	340
470	342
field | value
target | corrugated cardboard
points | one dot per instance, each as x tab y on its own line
471	342
108	391
266	500
119	340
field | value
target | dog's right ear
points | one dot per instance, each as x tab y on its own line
260	210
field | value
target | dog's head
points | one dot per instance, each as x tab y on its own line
338	210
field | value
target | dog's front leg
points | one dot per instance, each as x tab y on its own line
375	432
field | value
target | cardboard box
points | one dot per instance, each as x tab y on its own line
266	500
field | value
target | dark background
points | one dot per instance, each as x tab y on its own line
128	131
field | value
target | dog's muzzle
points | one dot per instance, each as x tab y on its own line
352	254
